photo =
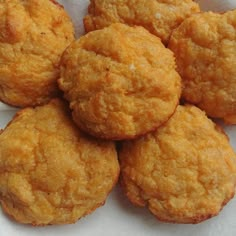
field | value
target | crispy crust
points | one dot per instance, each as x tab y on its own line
158	17
33	36
57	3
230	119
123	137
185	172
206	62
53	173
123	91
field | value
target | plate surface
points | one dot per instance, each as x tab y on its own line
118	216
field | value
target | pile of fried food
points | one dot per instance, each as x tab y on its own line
122	81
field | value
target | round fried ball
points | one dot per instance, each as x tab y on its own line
50	172
185	172
121	82
205	50
159	17
33	36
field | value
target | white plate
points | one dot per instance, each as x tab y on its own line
118	216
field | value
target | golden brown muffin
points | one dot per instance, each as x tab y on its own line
120	81
185	172
33	36
159	17
50	172
205	49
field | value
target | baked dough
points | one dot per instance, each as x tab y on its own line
184	172
51	172
120	81
33	35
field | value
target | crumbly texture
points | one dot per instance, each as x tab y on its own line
33	36
185	172
121	82
159	17
50	172
205	50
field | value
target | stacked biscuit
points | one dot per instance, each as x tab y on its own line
123	82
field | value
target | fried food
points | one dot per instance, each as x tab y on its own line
184	172
33	36
159	17
205	49
51	172
120	81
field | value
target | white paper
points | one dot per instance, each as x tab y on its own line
217	5
76	9
118	217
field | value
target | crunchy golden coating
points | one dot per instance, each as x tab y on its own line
159	17
205	49
121	82
50	172
33	36
185	172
